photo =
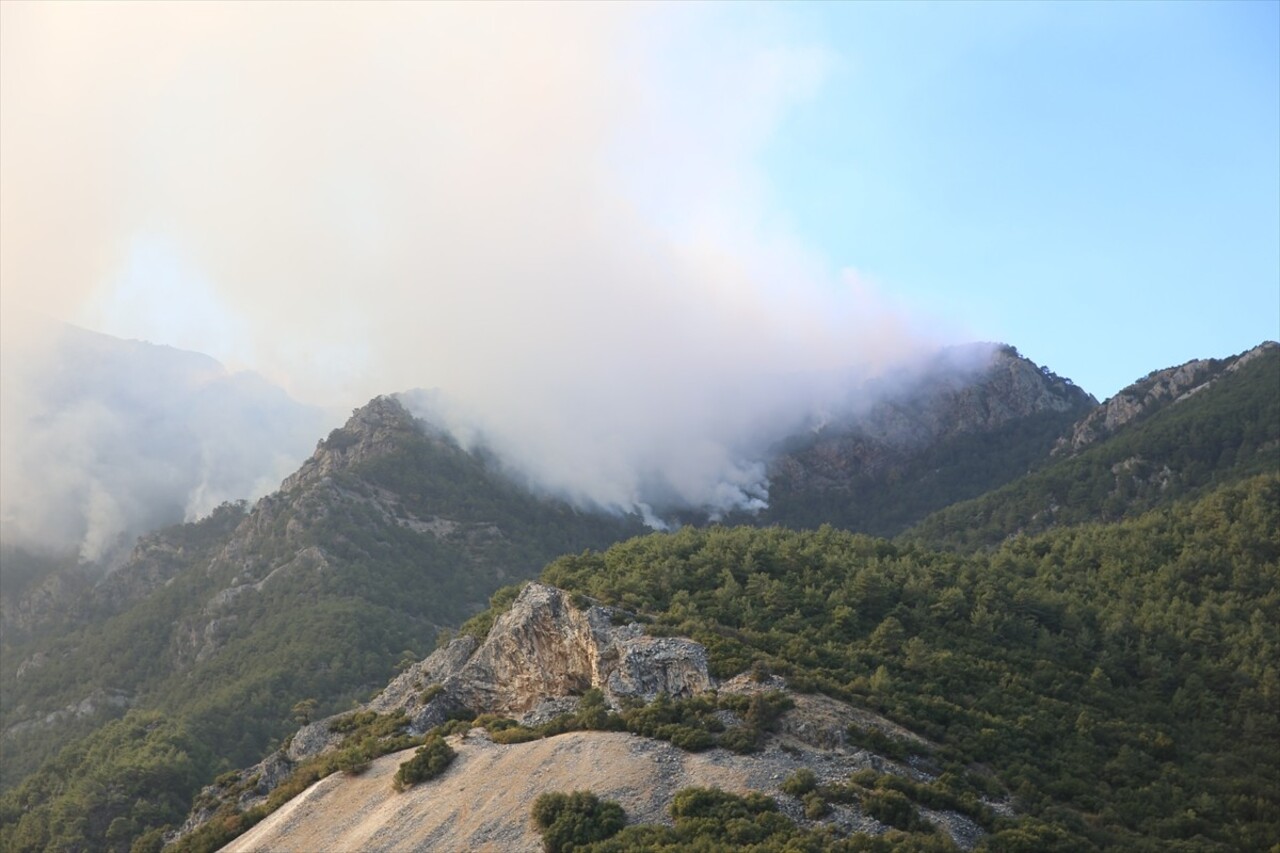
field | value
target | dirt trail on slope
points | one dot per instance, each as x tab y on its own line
482	801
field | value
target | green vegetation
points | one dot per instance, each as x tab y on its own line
690	723
429	761
714	820
569	822
1120	679
137	774
1229	432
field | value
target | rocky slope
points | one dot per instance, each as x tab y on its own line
1165	438
539	656
389	532
970	420
1151	393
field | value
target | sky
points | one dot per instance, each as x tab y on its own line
619	232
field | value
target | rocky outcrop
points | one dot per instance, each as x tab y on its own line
1153	392
375	429
101	701
545	647
538	657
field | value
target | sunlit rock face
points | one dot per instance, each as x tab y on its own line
1155	390
546	646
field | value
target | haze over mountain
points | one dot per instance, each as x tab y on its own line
706	267
212	631
103	439
589	246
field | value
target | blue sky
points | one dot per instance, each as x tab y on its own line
1098	184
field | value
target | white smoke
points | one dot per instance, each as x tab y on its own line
103	439
529	206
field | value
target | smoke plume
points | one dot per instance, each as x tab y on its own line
530	207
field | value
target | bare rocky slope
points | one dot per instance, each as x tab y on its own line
537	658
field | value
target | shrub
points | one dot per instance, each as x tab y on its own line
430	760
567	821
514	734
741	739
814	806
893	808
800	783
718	805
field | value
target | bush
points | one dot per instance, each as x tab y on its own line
718	805
814	806
688	738
741	739
893	808
431	759
567	821
515	734
800	783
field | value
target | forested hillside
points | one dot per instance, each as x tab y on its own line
1121	679
392	535
1223	432
1100	632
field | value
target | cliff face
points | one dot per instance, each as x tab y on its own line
546	647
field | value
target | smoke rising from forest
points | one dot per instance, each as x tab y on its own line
526	207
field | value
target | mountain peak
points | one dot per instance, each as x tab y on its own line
376	428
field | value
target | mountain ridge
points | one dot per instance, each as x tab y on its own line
390	532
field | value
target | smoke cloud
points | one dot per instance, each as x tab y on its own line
104	439
530	207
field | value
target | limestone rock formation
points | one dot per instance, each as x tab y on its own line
372	430
1151	393
545	647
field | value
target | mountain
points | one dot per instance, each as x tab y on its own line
552	664
1074	691
387	535
972	419
1172	435
198	654
105	439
